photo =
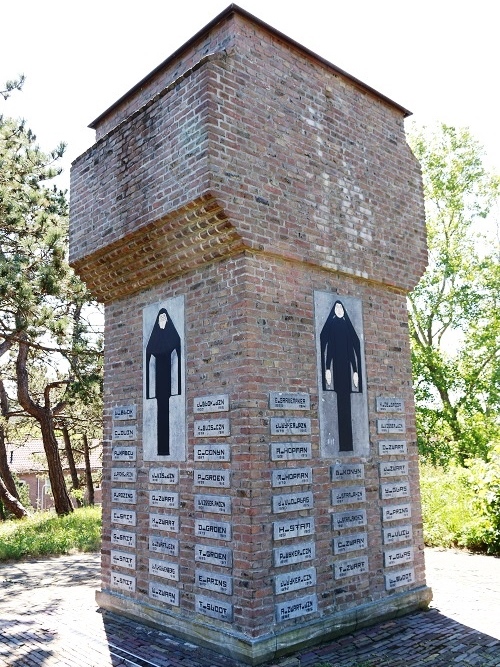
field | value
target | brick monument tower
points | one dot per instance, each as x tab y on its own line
252	218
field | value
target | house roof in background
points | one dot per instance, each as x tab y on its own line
30	457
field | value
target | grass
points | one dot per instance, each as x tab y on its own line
45	534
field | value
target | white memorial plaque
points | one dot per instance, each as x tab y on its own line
212	452
222	611
162	568
124	453
127	496
214	555
347	543
391	447
213	581
346	471
351	567
123	581
290	426
393	468
297	607
123	474
167	499
213	478
213	403
301	527
164	522
398	556
294	553
122	538
394	512
164	593
214	504
397	534
122	559
216	530
394	490
125	517
286	400
341	520
124	412
390	404
399	578
211	428
163	545
124	433
294	581
291	502
163	475
290	451
391	426
291	477
348	495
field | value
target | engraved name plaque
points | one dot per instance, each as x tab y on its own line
291	477
214	504
122	538
290	426
213	581
123	474
163	545
290	502
164	593
341	520
127	496
294	581
213	403
346	495
123	412
162	568
399	578
163	476
211	428
391	426
347	543
122	559
397	534
343	471
393	468
164	522
214	555
394	512
397	490
122	453
168	499
390	404
125	517
123	581
350	568
212	452
213	478
390	447
398	556
222	611
217	530
290	451
296	553
283	400
301	527
124	433
297	607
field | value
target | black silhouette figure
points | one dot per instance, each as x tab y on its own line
165	346
341	368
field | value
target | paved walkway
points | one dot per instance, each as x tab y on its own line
48	616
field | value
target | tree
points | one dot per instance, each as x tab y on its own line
454	314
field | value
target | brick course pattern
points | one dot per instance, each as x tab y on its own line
244	174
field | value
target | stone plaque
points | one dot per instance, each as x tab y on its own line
124	433
122	559
290	426
295	553
211	428
217	530
350	568
346	495
394	512
163	475
390	404
345	471
290	451
391	426
286	400
347	543
168	499
291	477
296	607
301	527
213	403
214	504
164	593
214	555
164	522
123	581
162	568
213	452
394	490
397	534
124	412
398	556
124	453
393	468
390	447
399	578
341	520
163	545
125	517
127	496
213	581
123	474
291	502
123	538
213	478
222	611
294	581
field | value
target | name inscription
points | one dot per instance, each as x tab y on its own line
123	412
282	400
211	428
290	451
290	426
213	403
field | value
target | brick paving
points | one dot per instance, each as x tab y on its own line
48	617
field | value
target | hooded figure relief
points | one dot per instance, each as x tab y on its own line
341	368
163	374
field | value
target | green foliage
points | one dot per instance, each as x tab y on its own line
45	534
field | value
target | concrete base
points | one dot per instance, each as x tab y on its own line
274	644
